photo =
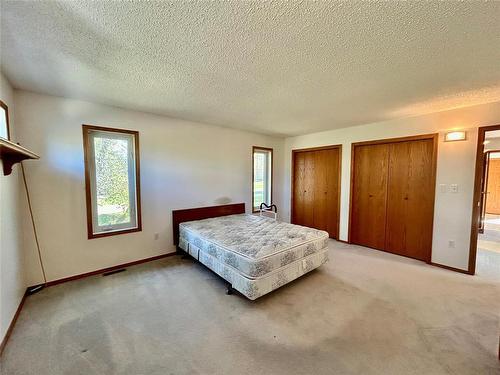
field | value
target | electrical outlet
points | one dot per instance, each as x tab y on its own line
451	243
157	236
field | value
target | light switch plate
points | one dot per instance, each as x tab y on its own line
442	188
454	188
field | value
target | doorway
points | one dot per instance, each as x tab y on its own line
484	256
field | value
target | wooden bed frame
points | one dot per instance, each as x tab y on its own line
199	213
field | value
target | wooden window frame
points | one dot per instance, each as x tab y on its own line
256	148
88	187
6	108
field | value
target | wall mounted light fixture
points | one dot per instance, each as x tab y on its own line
455	136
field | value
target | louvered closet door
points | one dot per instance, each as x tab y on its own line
411	199
369	195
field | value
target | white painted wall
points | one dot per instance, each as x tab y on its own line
12	282
186	164
452	215
183	164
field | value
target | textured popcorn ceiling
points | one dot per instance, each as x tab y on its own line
273	67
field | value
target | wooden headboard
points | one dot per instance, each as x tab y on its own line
199	213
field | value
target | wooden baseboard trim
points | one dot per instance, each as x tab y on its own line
12	323
108	269
450	268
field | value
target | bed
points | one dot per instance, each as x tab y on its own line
254	254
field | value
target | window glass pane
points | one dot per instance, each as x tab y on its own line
262	164
258	182
3	123
112	186
112	181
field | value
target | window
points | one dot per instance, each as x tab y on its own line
262	191
111	181
4	121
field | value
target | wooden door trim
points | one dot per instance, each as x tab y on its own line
476	209
433	136
398	139
320	148
482	197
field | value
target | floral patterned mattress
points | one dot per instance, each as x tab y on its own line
253	245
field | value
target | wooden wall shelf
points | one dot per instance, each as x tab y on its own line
10	153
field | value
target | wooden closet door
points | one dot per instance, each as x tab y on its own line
333	191
411	199
303	186
493	187
298	187
316	189
369	195
320	217
326	190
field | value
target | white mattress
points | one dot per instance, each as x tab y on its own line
255	288
254	246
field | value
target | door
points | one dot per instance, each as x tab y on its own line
316	189
493	184
303	195
326	190
410	204
369	195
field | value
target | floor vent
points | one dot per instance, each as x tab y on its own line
113	272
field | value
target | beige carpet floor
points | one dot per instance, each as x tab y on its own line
489	245
365	312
